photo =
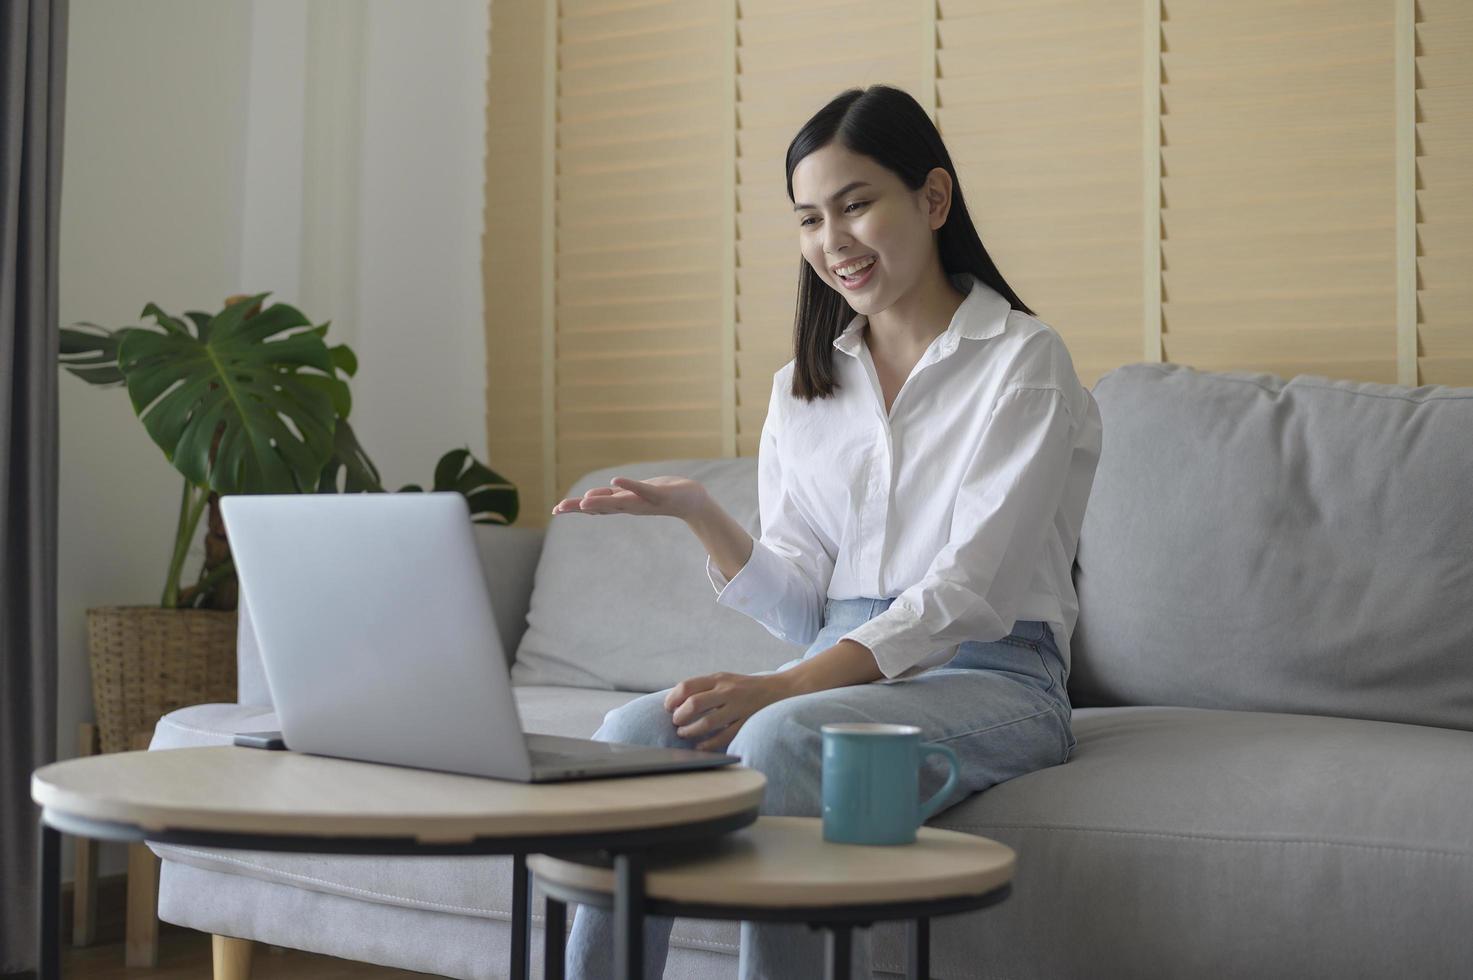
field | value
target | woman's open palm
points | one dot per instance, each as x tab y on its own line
669	496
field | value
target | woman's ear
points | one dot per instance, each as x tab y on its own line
937	192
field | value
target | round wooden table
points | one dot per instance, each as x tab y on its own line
780	869
233	797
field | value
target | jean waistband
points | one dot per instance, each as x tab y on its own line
866	607
872	606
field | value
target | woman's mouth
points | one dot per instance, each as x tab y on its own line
861	278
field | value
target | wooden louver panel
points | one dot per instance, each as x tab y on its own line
1444	171
791	60
1278	209
511	256
1040	106
639	235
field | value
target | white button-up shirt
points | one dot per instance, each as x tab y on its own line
965	501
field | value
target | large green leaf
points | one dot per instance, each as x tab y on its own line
276	398
92	355
487	492
359	473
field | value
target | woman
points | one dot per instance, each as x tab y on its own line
923	471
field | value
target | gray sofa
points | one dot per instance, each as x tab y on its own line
1273	687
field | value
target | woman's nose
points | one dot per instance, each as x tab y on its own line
834	240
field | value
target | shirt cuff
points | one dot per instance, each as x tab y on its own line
898	641
755	587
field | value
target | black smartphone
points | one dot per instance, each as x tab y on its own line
260	740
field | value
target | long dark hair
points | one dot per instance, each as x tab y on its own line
889	126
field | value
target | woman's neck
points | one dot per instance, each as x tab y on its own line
904	330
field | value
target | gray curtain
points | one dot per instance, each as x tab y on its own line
32	92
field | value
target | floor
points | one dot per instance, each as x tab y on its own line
185	955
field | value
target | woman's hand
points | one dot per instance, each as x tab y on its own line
716	706
669	496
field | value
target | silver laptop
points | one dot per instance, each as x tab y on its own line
377	638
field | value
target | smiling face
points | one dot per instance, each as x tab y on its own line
849	208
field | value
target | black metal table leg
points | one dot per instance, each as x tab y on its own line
838	950
521	914
918	966
48	937
629	916
554	940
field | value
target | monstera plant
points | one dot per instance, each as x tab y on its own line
250	401
245	400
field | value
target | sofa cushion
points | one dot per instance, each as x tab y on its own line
211	724
623	602
1185	842
1209	775
1299	546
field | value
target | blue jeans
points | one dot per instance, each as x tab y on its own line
1001	706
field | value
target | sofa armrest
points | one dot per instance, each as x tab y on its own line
509	555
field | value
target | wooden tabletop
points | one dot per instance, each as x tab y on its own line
784	862
231	789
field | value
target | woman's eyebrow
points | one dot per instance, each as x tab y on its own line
836	194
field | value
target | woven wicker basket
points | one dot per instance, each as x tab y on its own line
147	661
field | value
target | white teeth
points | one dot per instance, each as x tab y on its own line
859	266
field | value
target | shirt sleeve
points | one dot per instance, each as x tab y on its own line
784	584
1009	494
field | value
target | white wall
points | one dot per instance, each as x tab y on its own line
150	211
329	152
422	331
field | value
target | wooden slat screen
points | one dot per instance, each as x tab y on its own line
640	243
511	256
1277	187
1444	199
1040	106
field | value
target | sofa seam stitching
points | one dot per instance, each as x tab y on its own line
691	943
1429	851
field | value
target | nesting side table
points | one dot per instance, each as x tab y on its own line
780	869
227	796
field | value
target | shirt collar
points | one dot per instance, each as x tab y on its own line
982	315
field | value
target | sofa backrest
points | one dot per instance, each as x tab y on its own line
623	602
508	556
1302	546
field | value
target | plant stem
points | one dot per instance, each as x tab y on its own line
216	574
190	510
171	579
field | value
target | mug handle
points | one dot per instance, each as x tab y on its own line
929	808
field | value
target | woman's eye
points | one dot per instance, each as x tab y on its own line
854	204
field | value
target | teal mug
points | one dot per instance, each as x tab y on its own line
871	782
